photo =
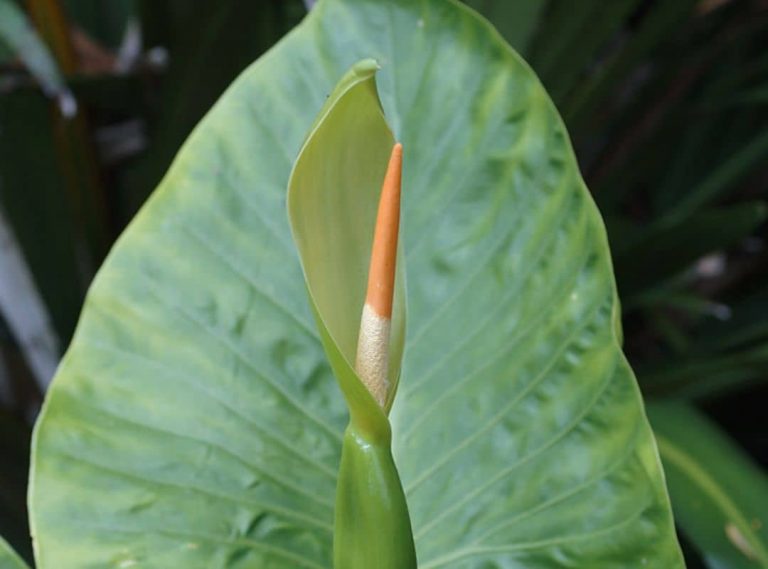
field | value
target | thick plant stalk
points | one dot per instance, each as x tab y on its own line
372	528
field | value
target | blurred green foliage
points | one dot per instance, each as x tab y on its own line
667	104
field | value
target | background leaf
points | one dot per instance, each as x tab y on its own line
209	45
649	261
36	202
516	21
8	557
14	444
23	310
21	38
718	494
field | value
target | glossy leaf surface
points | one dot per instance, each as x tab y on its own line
719	496
195	421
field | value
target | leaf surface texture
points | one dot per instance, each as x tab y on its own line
195	421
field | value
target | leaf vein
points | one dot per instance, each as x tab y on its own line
491	316
503	473
199	386
214	444
528	389
239	272
533	545
210	538
241	357
143	479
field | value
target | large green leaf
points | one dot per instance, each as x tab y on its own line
719	496
195	421
8	557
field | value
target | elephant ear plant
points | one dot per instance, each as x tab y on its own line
195	420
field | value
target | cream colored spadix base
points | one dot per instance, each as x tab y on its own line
373	353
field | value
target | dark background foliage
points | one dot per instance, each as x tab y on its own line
666	103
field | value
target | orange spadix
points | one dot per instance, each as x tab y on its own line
373	342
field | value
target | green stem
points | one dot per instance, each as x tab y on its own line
372	527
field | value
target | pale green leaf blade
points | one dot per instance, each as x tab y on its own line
719	496
195	419
8	557
720	179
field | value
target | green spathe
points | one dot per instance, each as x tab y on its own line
195	420
332	199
